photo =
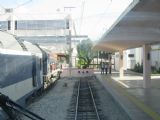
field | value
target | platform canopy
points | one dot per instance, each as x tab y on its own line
138	25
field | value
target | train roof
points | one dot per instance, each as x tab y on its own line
45	49
8	41
32	48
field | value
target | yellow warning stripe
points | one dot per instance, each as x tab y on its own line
138	103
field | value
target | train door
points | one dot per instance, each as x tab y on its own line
38	70
41	70
34	70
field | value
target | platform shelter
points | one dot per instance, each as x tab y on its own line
138	26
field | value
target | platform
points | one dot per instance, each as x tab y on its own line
139	103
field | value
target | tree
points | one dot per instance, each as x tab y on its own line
85	53
67	51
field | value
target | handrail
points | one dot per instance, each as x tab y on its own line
6	103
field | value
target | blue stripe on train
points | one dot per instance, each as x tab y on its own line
14	68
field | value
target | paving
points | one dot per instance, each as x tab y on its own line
110	108
139	103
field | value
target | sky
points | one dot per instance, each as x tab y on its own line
91	17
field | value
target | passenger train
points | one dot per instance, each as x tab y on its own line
24	68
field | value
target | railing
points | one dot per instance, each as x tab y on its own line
9	106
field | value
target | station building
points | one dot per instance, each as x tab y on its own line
36	28
50	31
134	56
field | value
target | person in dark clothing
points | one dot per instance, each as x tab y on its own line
110	68
106	67
102	67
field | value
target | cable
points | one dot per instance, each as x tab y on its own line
100	19
8	105
81	17
22	4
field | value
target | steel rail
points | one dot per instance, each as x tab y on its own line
77	101
95	107
93	100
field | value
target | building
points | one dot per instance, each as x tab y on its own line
51	31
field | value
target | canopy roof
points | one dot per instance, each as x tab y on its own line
140	25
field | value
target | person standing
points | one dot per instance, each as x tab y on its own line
102	67
106	67
110	68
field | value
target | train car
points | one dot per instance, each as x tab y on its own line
46	67
24	68
16	69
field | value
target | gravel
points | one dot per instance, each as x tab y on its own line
54	104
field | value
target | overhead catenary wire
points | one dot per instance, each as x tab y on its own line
81	17
13	9
23	4
102	14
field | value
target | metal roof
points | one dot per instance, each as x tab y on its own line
8	41
138	25
32	48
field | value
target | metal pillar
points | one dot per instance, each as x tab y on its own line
70	54
121	71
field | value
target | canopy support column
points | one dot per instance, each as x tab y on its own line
146	66
121	71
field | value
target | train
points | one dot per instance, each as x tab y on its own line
24	68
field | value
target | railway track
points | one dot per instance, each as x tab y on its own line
84	102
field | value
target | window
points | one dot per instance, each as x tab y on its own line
9	25
4	25
130	55
40	24
15	25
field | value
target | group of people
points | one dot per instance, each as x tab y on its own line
105	67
